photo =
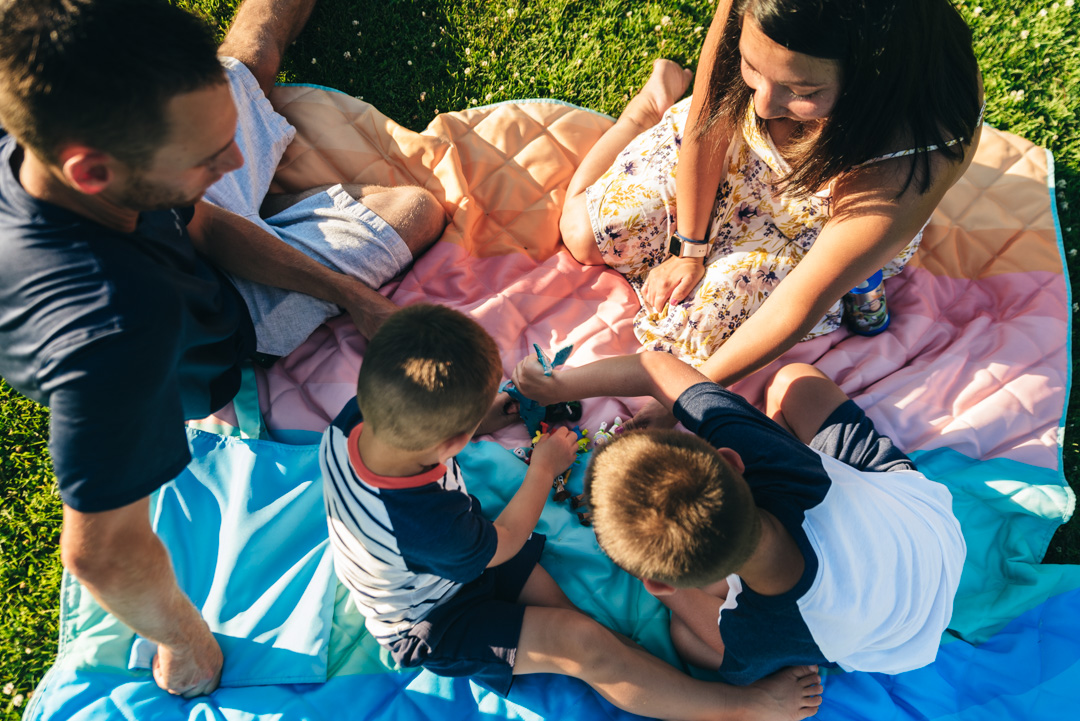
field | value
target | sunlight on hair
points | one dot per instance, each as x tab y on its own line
431	375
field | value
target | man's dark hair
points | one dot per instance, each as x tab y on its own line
99	73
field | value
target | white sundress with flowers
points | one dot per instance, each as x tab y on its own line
757	234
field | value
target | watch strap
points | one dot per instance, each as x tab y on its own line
684	247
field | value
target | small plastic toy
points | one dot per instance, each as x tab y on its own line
531	412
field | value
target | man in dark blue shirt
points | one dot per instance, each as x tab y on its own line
114	307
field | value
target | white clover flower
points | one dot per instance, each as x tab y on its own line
1024	34
510	12
314	61
483	63
408	62
666	20
423	14
18	700
1017	95
355	23
517	74
347	55
423	96
359	34
9	689
1072	251
468	51
578	62
432	43
468	71
501	88
584	36
698	29
1061	183
656	28
472	101
977	10
1076	307
1055	6
628	13
488	96
1042	13
1069	3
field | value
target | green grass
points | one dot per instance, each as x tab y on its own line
413	59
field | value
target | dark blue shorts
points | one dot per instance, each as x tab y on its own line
476	632
849	436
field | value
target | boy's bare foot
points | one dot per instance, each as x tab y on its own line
666	85
789	694
503	412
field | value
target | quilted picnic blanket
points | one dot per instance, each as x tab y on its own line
971	379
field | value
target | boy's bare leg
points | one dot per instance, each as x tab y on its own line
666	85
558	640
260	33
801	398
416	215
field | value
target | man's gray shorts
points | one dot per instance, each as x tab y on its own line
331	227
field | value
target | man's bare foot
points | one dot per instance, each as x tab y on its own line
789	694
503	412
666	85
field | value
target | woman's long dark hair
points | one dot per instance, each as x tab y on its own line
908	74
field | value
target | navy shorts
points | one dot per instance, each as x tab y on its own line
849	436
476	632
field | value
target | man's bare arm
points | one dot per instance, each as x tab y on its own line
120	560
246	250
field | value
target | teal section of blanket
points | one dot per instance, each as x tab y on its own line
1008	512
246	530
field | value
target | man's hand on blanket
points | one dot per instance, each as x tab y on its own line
671	281
367	308
192	668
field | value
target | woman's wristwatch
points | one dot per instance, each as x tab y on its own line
683	247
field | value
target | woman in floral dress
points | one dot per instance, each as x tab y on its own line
820	137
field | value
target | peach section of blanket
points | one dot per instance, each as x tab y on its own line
976	358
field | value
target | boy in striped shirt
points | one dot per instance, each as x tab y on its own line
443	587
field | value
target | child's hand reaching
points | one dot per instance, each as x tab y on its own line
555	451
530	380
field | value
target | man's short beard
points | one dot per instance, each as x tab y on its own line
144	196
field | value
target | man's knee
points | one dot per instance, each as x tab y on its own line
414	212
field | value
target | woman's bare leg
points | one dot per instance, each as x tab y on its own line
666	85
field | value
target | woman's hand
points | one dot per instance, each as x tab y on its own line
529	378
652	415
671	281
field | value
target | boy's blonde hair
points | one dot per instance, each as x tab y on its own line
668	507
430	373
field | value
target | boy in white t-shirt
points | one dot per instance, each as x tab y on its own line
804	538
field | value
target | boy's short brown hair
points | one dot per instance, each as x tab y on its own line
668	507
430	373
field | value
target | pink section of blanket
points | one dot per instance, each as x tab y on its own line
976	358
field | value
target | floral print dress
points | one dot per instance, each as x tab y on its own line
757	234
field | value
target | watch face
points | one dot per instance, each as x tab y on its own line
675	245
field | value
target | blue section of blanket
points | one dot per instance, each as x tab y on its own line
246	531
